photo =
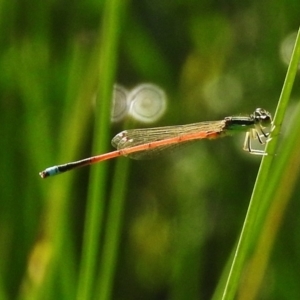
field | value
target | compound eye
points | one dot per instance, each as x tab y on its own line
259	113
263	116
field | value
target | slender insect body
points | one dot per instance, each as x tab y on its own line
148	142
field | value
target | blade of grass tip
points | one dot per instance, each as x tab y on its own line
96	192
260	184
281	185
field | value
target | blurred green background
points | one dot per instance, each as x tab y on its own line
179	215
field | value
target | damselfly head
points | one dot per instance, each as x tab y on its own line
262	117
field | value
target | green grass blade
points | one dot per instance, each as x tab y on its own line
113	231
95	206
250	223
281	185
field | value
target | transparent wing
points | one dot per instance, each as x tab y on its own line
146	136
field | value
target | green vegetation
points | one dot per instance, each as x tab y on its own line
169	228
